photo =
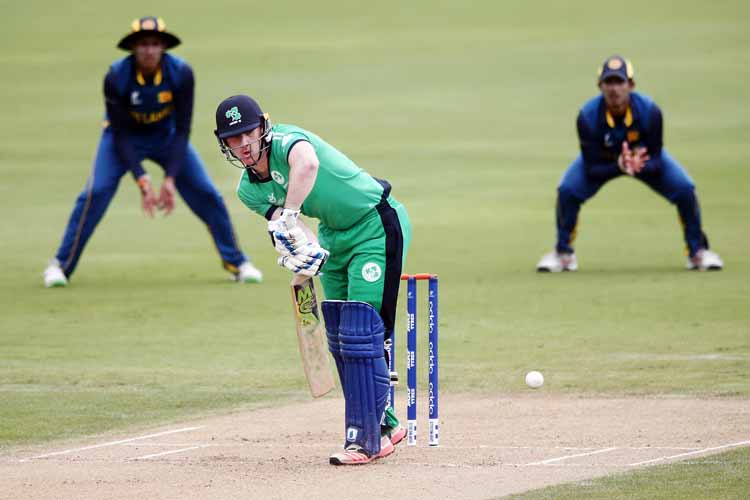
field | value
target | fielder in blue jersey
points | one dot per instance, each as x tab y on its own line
621	134
149	109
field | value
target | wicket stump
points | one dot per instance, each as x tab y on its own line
411	357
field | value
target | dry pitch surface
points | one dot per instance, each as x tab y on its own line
489	447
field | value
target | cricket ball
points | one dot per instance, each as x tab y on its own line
534	379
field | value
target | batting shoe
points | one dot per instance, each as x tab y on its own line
354	454
395	435
248	273
54	275
705	260
392	428
555	262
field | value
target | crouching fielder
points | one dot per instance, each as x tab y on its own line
363	236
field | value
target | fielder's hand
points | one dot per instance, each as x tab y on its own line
638	160
166	196
288	238
148	198
632	162
308	260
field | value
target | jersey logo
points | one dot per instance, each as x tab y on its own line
275	201
135	98
152	117
371	272
285	140
234	115
164	96
633	135
608	142
277	177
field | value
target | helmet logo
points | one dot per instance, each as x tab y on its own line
234	115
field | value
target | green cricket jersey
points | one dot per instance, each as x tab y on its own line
342	195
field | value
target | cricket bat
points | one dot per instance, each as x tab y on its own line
311	336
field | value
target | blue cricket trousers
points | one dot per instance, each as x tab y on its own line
192	182
671	181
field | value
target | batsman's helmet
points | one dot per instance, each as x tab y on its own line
236	115
148	25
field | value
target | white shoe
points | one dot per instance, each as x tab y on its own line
705	260
54	275
248	273
555	262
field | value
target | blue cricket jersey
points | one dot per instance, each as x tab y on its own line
601	135
156	111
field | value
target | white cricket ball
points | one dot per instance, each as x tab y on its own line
534	379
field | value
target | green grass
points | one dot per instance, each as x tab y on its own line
717	477
469	111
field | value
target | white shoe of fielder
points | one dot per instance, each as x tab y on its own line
705	260
555	262
248	273
54	275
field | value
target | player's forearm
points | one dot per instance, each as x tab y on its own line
183	111
124	151
301	181
119	124
177	154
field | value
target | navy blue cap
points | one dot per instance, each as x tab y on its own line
616	66
237	114
148	25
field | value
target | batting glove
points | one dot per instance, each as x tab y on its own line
307	261
287	237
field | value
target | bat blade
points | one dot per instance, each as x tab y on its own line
311	336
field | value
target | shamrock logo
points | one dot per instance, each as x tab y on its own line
234	115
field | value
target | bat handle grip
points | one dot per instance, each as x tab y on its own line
298	279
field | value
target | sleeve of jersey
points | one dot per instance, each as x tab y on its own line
654	141
254	201
183	110
591	151
119	121
288	142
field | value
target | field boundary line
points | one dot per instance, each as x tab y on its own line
696	452
110	443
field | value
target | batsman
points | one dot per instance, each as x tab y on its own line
361	245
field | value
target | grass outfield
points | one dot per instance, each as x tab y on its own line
718	477
469	112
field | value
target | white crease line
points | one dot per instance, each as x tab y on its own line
572	465
230	444
486	447
658	448
257	444
551	460
507	464
111	443
154	455
697	452
164	445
